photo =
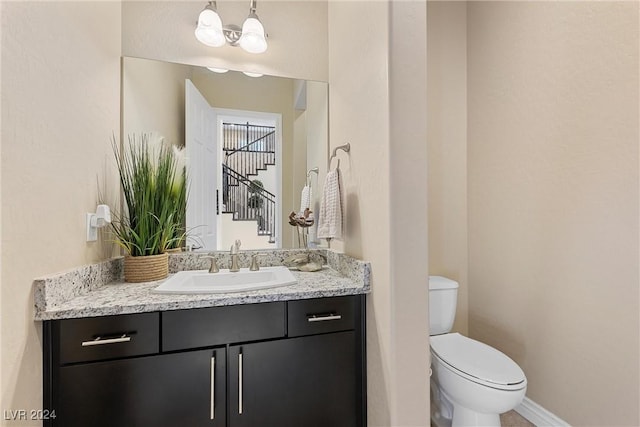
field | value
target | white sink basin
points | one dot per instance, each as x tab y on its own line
203	282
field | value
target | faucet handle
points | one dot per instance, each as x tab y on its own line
214	265
255	266
235	248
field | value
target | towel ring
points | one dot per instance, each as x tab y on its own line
346	148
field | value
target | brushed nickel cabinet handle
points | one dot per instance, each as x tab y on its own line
240	383
314	318
213	387
100	341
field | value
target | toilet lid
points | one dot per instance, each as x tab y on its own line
480	362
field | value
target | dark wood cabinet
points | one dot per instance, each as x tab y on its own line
166	390
308	381
296	363
185	329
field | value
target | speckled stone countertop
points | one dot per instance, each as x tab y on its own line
99	290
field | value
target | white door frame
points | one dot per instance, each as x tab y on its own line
258	117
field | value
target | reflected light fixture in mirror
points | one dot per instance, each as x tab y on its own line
251	37
218	70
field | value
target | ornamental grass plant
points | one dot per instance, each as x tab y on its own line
154	185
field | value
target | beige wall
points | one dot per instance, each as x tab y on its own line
317	118
408	198
60	106
553	200
358	87
447	145
153	98
299	170
231	230
371	103
297	36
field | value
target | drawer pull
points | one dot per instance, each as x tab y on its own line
314	318
240	382
213	387
100	341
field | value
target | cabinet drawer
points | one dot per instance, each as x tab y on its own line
317	316
99	338
206	327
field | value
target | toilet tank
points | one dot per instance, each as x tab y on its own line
443	296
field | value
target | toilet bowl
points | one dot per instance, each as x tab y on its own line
473	382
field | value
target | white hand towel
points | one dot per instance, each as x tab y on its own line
330	219
305	199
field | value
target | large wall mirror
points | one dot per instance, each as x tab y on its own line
253	144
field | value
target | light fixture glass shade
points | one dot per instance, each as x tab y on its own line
218	70
253	39
209	29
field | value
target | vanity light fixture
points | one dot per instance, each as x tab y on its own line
209	30
250	74
251	37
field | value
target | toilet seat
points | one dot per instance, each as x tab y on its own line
477	362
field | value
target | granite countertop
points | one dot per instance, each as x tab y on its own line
98	289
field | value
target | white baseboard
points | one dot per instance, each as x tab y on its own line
539	416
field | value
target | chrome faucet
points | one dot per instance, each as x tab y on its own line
235	249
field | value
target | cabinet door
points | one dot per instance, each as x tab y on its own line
182	389
308	381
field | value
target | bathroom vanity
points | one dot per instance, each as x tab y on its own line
280	357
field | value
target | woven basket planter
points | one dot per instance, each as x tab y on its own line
146	268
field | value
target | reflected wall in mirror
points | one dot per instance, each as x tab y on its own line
250	144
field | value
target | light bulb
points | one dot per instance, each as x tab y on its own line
250	74
209	29
217	70
253	39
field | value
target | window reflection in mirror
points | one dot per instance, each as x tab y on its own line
250	143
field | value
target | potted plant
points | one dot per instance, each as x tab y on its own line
179	196
153	184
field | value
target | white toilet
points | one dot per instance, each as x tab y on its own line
471	383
